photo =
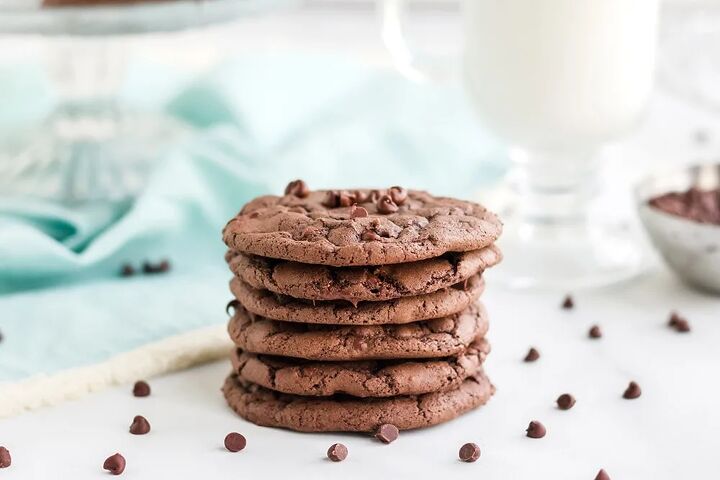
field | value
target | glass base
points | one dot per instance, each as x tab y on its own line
81	158
568	257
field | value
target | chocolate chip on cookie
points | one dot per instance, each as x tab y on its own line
234	442
536	430
387	433
337	452
358	212
469	452
115	464
386	205
398	195
297	188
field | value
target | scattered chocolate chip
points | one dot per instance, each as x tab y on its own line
387	433
532	355
235	442
297	188
337	452
565	401
632	391
370	236
595	332
151	268
568	303
398	195
115	464
5	458
127	270
385	205
536	430
602	475
234	304
139	425
141	389
678	323
332	199
469	452
358	212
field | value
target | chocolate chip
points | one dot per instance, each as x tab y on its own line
152	268
346	199
385	205
358	212
235	442
568	303
602	475
115	464
632	391
387	433
234	304
139	425
337	452
141	389
469	452
536	430
360	196
127	270
375	195
532	355
332	199
398	195
595	332
5	458
370	236
678	323
297	188
565	401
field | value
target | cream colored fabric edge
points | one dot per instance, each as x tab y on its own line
167	355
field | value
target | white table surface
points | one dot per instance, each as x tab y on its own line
671	432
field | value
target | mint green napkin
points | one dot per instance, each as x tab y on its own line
262	121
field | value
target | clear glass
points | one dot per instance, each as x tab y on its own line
556	80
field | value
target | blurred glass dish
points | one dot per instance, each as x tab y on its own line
689	54
92	146
691	249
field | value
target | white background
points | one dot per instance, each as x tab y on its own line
671	432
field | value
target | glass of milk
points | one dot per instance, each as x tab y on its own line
555	79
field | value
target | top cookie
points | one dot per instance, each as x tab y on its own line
362	227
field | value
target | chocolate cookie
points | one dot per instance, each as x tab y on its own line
362	227
355	284
347	414
339	312
437	338
375	378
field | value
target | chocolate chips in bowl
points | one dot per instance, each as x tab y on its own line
681	213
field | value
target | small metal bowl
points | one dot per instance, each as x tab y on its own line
691	249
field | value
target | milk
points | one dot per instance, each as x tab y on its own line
559	74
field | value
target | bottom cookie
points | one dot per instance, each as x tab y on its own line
348	414
371	378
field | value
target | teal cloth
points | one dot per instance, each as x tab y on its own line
261	120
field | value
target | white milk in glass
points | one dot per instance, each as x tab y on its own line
559	74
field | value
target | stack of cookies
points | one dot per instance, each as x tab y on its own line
355	309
